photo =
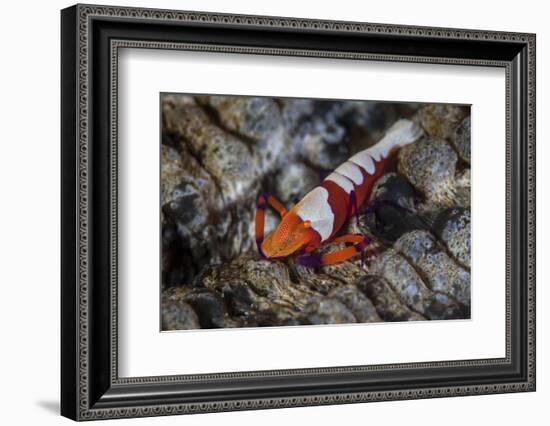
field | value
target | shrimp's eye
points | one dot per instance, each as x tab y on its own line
307	223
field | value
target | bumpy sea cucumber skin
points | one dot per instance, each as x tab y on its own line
438	269
220	152
430	166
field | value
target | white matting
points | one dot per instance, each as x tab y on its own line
144	351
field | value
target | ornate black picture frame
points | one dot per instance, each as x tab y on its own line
91	36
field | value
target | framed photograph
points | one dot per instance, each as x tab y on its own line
263	212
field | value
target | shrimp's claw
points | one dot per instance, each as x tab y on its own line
263	201
360	243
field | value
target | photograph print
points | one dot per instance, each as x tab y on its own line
290	212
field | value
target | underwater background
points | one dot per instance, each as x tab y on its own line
219	153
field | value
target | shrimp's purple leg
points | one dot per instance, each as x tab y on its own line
352	206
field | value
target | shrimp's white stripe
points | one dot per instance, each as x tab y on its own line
402	133
343	182
316	208
351	171
376	153
364	160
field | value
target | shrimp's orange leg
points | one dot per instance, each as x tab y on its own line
360	243
263	201
348	238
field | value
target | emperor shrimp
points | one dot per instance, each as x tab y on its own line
317	218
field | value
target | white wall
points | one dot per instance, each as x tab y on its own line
29	212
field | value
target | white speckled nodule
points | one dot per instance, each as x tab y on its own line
343	182
351	171
315	208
